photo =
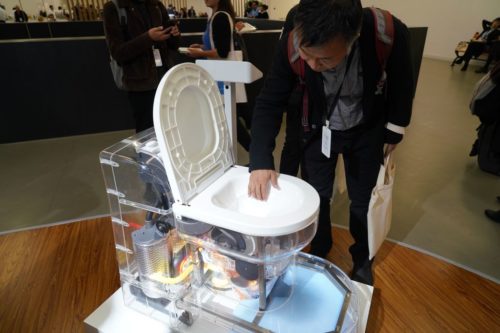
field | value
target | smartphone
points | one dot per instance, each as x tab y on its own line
172	23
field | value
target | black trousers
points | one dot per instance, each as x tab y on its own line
474	49
362	150
243	136
142	108
292	148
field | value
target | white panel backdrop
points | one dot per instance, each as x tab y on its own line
449	21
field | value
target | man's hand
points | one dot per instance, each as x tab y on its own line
239	25
258	186
175	31
195	52
158	34
389	148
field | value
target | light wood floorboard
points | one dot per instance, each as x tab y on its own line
52	278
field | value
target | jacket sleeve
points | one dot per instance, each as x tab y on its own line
221	34
269	108
493	36
122	50
400	82
488	108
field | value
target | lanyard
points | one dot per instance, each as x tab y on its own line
333	105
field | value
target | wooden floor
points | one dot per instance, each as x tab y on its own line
52	278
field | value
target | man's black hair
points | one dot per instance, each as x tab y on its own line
320	21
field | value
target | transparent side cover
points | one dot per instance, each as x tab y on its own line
134	173
155	264
311	295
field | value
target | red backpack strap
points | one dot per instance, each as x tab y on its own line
299	68
384	39
384	34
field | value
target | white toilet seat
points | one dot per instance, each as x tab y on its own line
226	204
195	146
191	129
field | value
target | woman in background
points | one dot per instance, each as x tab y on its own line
217	43
221	34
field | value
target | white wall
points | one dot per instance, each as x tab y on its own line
449	21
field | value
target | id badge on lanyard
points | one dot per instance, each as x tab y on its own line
156	54
326	140
326	133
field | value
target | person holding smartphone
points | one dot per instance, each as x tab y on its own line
141	43
216	44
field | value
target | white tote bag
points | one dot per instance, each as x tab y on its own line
234	55
380	208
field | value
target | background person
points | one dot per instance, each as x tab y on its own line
336	40
191	12
142	48
219	48
20	15
480	43
252	10
3	15
263	14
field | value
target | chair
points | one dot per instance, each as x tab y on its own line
463	45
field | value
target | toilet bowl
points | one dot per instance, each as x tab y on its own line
195	146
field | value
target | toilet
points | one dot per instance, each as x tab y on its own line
207	186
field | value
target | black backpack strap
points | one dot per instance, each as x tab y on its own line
122	14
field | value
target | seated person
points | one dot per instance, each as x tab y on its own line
494	54
485	104
263	14
480	43
252	10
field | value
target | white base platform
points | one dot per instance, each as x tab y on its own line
114	316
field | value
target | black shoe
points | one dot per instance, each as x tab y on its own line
493	215
322	253
475	149
464	67
498	199
363	273
458	61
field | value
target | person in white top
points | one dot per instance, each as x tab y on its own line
3	15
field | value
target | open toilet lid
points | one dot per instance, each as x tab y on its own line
191	129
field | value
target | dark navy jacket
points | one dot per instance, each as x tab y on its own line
394	106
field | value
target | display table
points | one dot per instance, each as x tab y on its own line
114	316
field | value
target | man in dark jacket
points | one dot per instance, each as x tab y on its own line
20	15
141	46
347	113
